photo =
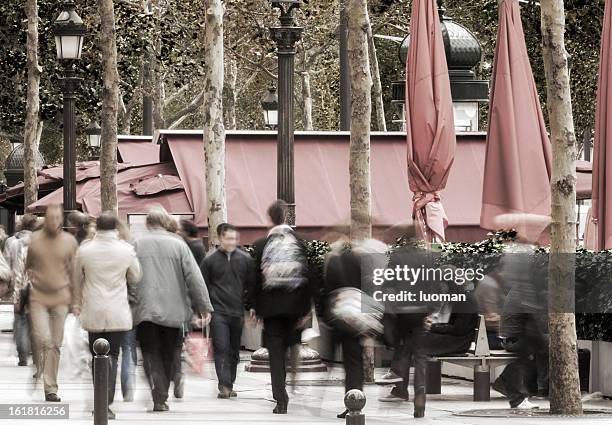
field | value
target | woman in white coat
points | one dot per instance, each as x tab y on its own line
104	267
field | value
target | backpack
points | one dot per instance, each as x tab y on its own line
283	262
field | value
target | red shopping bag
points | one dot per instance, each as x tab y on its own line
199	350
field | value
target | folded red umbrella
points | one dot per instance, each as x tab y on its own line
156	184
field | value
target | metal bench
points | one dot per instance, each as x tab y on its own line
481	358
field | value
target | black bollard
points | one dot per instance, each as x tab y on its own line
101	365
355	401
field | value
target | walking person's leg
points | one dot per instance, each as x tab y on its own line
419	359
274	334
237	324
177	369
57	318
128	365
171	339
149	337
221	334
115	340
21	332
41	336
352	353
352	356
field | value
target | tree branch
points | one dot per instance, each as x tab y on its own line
258	65
14	138
191	108
175	95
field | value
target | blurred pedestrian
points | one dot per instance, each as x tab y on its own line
50	264
343	270
189	232
78	224
129	355
171	285
406	323
229	276
105	266
284	288
15	253
524	325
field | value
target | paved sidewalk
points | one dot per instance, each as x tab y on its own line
310	404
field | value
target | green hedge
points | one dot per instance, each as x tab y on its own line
590	266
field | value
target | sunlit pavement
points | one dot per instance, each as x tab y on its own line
309	404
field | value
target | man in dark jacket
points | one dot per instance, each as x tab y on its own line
229	276
189	232
283	290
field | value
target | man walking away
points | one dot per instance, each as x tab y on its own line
189	232
105	266
283	294
50	264
171	283
15	253
229	276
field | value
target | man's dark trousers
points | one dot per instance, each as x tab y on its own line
115	340
279	333
226	332
158	344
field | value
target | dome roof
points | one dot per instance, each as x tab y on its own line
463	50
14	160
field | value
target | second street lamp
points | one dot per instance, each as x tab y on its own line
69	32
269	104
93	132
286	36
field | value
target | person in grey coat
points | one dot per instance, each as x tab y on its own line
171	288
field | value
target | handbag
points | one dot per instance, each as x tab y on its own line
198	347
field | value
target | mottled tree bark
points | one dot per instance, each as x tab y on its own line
377	92
110	106
564	380
361	113
214	131
229	93
32	123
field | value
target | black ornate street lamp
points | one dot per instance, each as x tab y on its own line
69	33
93	132
286	36
269	105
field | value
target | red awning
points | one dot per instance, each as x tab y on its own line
138	152
88	193
322	178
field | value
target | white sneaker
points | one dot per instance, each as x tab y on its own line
389	378
527	405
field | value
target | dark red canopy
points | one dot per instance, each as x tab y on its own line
430	128
602	157
518	162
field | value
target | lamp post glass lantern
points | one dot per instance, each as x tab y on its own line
69	32
94	134
269	104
